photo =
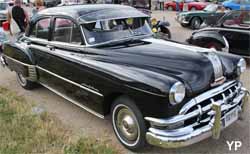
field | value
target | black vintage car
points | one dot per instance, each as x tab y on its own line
104	59
231	34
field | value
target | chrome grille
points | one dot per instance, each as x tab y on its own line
202	110
198	111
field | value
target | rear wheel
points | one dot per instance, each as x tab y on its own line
196	23
24	82
128	123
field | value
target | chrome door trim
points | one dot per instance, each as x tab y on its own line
69	81
73	101
17	61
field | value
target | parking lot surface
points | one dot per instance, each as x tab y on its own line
85	123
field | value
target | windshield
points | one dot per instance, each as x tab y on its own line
117	29
3	6
237	19
211	8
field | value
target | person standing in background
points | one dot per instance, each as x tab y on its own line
177	5
161	4
39	5
19	17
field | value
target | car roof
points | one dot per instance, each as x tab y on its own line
93	12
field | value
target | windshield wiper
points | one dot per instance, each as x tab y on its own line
125	40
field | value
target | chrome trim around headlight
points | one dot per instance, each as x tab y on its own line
242	65
174	91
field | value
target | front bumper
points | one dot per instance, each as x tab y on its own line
210	119
181	19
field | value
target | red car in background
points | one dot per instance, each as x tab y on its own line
192	5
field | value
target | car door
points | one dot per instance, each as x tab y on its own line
237	32
62	69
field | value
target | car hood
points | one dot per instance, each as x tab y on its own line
187	64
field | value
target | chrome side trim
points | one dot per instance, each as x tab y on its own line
17	61
145	91
67	80
31	69
73	101
32	73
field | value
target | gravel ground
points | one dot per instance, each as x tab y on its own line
85	123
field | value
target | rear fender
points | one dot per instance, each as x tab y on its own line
203	37
18	58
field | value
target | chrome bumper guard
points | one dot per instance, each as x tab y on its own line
208	112
2	61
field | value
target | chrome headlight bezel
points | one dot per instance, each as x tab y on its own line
241	66
177	93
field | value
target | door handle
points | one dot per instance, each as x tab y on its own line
50	47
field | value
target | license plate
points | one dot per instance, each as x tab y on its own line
231	117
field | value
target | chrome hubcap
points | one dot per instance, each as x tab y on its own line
197	24
126	125
22	80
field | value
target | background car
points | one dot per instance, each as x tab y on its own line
192	5
194	19
3	11
237	4
231	34
51	3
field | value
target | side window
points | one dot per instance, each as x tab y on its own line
41	29
66	31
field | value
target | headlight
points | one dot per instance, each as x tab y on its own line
241	66
177	93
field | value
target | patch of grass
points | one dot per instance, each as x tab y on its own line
23	132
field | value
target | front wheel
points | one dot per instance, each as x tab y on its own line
128	123
196	23
24	82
